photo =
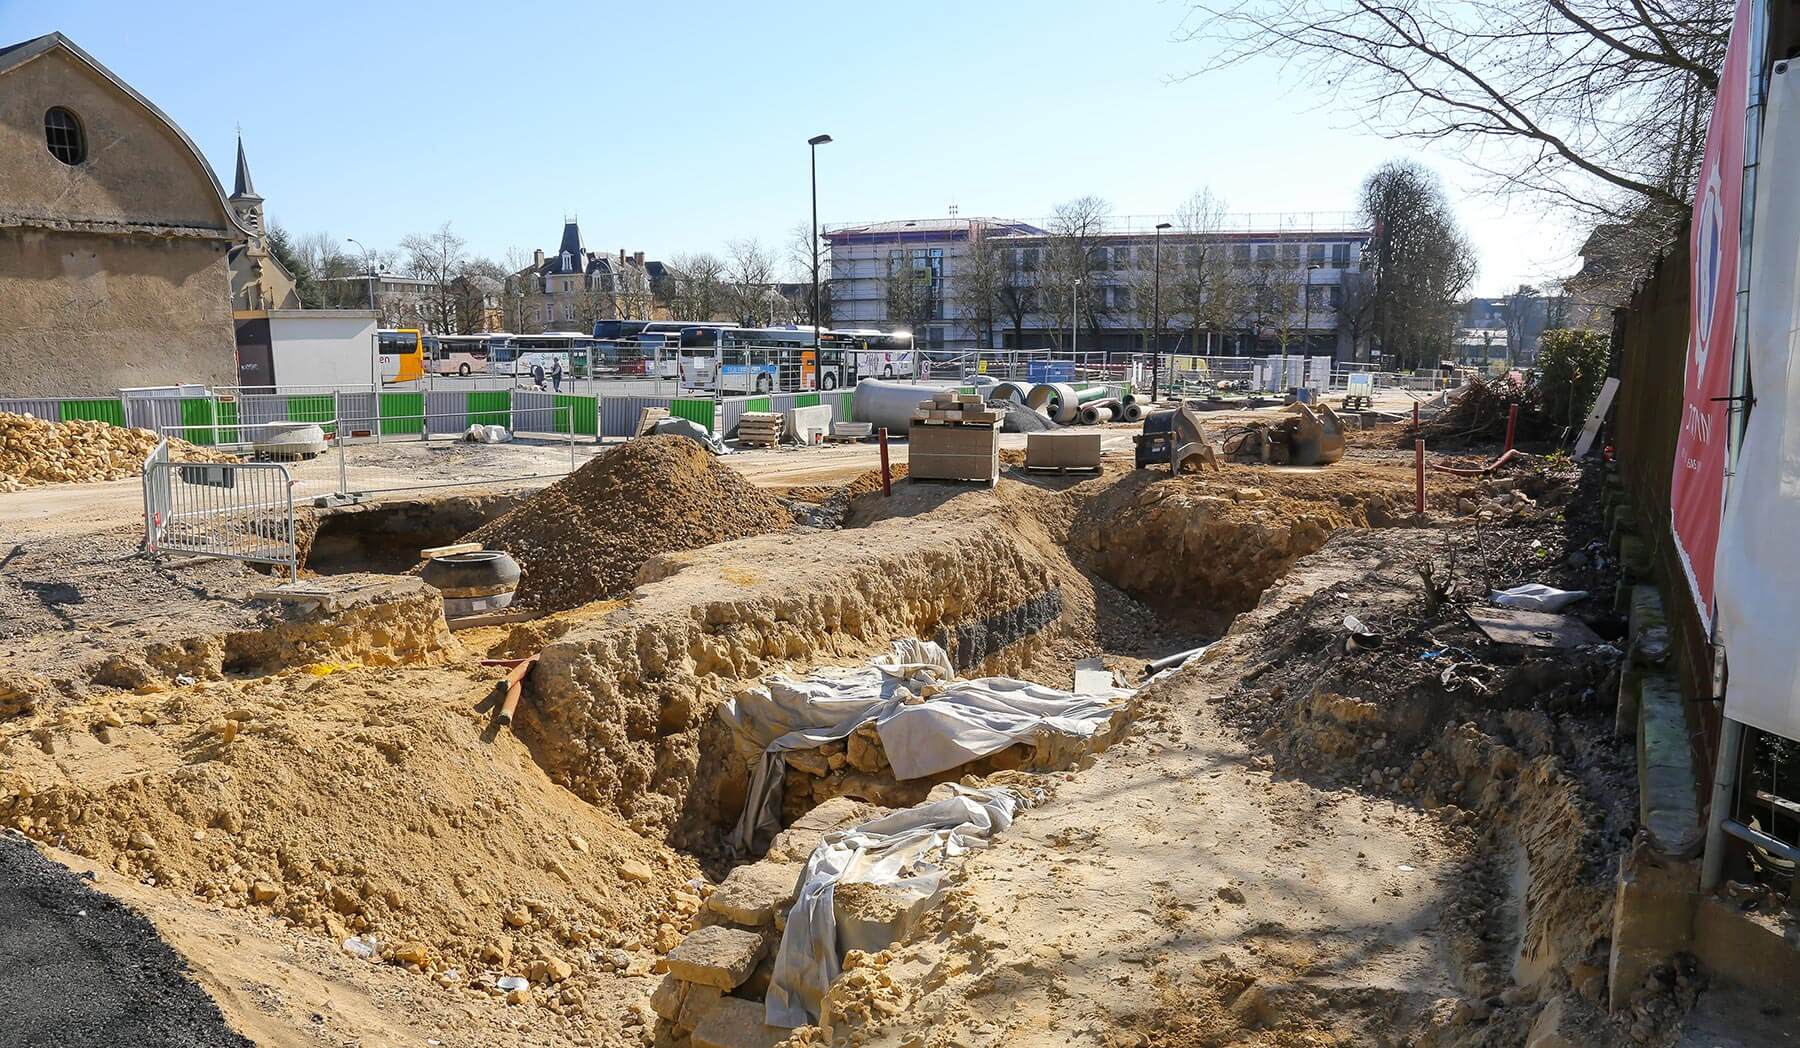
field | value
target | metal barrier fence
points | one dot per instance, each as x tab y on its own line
236	510
374	454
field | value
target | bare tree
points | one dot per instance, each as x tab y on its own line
697	287
980	279
629	288
1069	286
750	273
800	264
1601	105
1016	296
913	289
438	257
477	290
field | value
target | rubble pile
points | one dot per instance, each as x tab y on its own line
585	537
36	451
1478	415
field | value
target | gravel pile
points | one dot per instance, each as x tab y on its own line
585	537
1021	419
35	451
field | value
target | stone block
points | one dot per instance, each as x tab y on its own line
1668	798
796	843
1653	918
716	956
751	894
1751	951
1634	556
737	1023
666	999
697	1002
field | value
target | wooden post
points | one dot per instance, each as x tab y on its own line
1419	476
887	479
1512	421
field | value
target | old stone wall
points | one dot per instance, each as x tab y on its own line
85	314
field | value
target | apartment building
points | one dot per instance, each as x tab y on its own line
964	283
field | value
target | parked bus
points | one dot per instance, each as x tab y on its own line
401	354
535	356
867	353
462	354
766	360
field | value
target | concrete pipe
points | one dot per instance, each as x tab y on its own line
1009	391
1129	397
1055	400
889	404
1133	411
1095	414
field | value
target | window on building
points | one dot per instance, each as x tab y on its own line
1240	253
568	312
565	262
1147	257
1315	254
1265	252
568	285
1190	256
1121	258
1029	259
1318	297
1290	253
1334	296
1121	298
64	136
1096	258
1340	256
934	337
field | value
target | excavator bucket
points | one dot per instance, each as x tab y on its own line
1317	437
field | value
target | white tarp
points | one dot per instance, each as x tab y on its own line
1757	591
927	719
899	851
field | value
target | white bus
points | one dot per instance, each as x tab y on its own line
535	357
462	354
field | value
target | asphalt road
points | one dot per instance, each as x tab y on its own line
79	968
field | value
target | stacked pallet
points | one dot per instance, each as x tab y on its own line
951	408
760	428
955	436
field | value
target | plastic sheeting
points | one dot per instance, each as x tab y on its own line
899	851
1758	599
927	719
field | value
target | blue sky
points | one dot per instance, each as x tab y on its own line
671	127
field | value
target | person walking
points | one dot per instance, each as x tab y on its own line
556	374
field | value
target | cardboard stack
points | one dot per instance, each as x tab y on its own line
760	428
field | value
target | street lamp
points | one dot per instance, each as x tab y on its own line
1156	315
813	145
1074	321
369	260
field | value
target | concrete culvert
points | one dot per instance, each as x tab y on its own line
483	580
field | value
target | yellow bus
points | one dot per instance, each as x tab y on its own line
402	354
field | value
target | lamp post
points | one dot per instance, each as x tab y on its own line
1074	322
1156	314
813	145
1305	319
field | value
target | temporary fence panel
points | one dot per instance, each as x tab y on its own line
488	407
47	408
693	409
153	413
619	415
403	414
109	410
447	412
581	414
235	510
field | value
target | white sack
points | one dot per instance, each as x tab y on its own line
1533	596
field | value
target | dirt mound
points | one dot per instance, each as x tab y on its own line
34	451
585	537
366	803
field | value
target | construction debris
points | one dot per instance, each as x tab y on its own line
34	451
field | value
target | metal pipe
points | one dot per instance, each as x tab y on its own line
1158	665
887	480
1773	845
1724	789
1419	476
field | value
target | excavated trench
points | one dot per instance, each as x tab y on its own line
622	706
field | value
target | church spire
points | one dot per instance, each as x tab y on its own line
243	186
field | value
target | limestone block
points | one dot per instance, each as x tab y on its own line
751	894
716	956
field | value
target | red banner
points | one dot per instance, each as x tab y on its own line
1698	487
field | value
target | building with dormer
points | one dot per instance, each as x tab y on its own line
572	288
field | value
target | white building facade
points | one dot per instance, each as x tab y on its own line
1290	287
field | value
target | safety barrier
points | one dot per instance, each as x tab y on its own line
235	510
